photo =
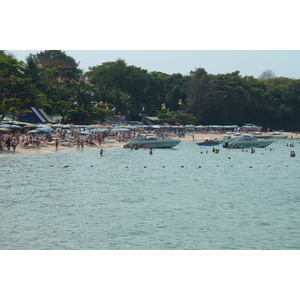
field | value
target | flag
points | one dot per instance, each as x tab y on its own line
92	94
179	101
95	105
128	112
163	106
143	108
114	109
101	102
75	103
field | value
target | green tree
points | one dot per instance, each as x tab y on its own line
65	68
17	94
197	102
176	117
120	84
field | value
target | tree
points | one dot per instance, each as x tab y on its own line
123	85
65	68
199	86
176	117
267	74
17	93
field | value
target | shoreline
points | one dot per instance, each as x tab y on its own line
116	144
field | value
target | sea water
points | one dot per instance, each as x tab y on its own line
188	197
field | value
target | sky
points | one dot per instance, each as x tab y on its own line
284	63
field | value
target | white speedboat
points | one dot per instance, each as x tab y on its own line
273	135
279	135
245	141
151	141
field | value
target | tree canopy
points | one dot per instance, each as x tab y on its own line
53	81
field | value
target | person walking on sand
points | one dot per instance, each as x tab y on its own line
8	143
14	144
56	144
78	144
101	152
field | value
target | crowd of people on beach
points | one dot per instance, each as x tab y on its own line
68	137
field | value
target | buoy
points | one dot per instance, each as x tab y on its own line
182	166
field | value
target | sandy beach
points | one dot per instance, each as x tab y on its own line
51	148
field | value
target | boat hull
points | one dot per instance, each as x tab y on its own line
245	144
166	143
208	143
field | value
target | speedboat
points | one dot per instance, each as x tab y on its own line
245	141
274	135
208	142
151	141
279	135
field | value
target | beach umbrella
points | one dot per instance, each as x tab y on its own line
33	131
30	125
99	130
44	129
3	129
120	129
11	126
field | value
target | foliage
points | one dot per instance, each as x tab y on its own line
53	81
176	117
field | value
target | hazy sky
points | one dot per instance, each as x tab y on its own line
249	62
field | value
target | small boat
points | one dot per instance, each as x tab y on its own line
245	141
279	135
274	135
208	142
151	141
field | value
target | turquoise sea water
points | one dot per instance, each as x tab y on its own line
174	199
